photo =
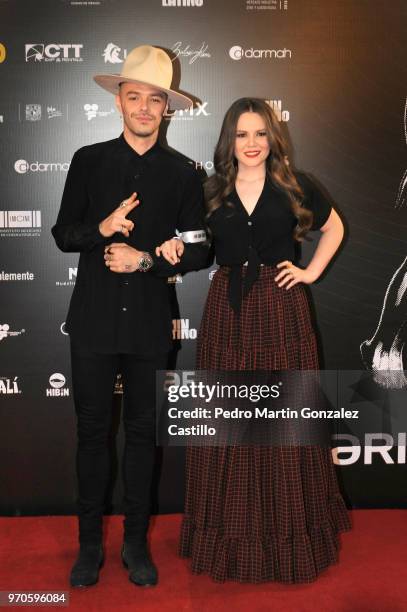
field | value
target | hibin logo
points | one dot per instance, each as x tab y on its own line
182	3
6	333
57	386
111	54
39	52
237	53
9	386
188	115
21	166
182	331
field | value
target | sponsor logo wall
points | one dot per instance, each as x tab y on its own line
273	49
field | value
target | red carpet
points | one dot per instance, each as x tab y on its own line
37	553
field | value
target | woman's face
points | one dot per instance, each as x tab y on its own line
251	144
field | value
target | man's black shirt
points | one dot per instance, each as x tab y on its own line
127	313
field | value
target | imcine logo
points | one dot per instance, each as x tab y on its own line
237	53
20	218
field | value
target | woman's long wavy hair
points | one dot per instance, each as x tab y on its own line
221	184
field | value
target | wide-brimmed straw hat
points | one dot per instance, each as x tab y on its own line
150	66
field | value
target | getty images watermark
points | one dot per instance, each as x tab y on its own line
212	408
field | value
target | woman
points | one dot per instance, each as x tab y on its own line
258	513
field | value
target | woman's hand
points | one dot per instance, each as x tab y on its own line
172	250
292	275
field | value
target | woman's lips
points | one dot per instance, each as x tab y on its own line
252	153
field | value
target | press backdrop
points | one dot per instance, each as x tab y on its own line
335	73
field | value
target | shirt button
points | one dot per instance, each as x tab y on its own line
126	282
124	309
136	176
249	223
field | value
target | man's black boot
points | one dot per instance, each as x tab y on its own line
86	568
136	559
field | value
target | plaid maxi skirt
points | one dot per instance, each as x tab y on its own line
256	513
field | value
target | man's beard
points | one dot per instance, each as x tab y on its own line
137	132
142	134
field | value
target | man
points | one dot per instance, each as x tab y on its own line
122	198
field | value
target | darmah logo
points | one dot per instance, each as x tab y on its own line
237	53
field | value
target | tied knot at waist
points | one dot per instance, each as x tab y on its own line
239	285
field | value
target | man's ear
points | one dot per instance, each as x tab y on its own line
118	104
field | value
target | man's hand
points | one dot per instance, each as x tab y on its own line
117	222
120	257
172	250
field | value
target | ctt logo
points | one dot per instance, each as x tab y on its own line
374	444
9	386
237	53
39	52
182	331
188	115
111	54
57	388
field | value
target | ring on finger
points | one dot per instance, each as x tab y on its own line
122	204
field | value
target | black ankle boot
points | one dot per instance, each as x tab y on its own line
137	560
86	568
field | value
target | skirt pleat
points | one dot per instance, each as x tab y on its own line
256	513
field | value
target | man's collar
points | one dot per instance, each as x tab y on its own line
151	152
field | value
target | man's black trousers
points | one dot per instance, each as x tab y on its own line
94	377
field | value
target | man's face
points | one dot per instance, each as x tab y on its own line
142	107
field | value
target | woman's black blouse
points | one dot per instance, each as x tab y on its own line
265	236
